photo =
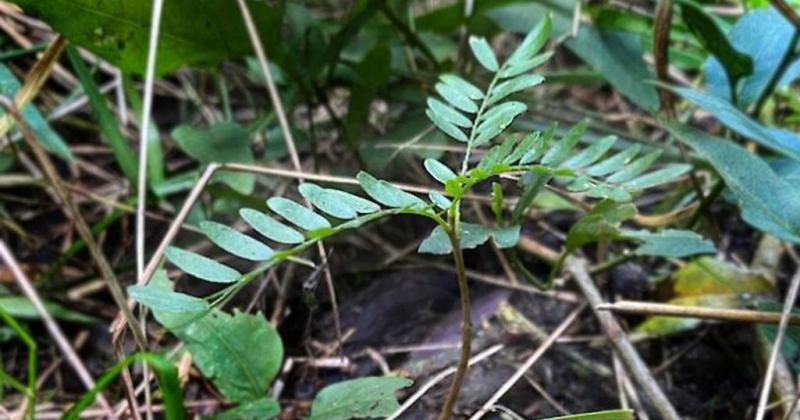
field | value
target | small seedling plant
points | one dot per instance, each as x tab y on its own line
474	116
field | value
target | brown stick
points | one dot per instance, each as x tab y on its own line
718	314
626	351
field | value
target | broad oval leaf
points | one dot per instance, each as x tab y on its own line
201	267
446	126
386	193
160	299
448	114
513	85
466	88
270	227
671	243
711	37
741	123
483	52
439	171
326	202
235	242
371	397
297	214
456	98
768	202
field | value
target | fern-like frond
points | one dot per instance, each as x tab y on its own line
475	117
292	227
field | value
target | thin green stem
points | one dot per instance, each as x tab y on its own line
454	231
478	115
30	391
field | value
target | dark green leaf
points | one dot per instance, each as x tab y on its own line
708	32
619	57
261	409
118	30
223	143
768	201
369	397
741	123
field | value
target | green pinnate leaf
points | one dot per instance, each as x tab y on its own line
658	177
563	148
533	42
524	146
166	300
456	98
483	53
613	163
635	168
440	200
369	397
447	113
497	120
466	88
297	214
271	228
386	193
439	171
235	242
591	154
525	66
359	204
446	126
326	202
514	85
201	267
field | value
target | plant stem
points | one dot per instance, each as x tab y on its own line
466	319
474	131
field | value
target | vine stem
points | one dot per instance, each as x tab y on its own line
454	222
